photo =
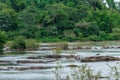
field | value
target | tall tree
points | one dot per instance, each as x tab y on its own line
7	18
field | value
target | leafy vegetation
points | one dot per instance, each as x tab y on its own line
2	40
21	44
60	20
84	72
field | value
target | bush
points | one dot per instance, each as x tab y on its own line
94	38
115	35
31	44
48	39
23	44
18	44
62	45
70	39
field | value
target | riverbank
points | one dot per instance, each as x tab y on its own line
70	46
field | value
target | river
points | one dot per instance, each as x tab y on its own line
13	67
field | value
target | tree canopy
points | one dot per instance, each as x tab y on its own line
62	19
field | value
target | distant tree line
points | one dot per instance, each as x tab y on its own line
59	20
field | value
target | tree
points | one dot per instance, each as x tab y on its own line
105	23
29	16
2	40
111	4
7	18
87	28
96	4
28	20
58	15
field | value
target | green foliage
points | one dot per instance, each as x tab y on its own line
19	44
68	20
111	3
103	36
48	39
115	34
94	38
62	45
88	28
7	18
2	40
22	44
79	73
31	44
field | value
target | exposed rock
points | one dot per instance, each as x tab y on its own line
30	68
37	67
29	61
21	68
55	56
98	54
60	56
86	47
4	61
31	57
34	61
100	58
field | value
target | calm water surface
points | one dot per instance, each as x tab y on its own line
48	72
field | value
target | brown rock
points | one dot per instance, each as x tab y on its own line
100	58
4	61
21	68
60	56
30	61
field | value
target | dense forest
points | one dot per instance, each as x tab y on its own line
60	20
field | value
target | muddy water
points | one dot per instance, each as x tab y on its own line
35	66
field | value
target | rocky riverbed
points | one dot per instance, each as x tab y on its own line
40	65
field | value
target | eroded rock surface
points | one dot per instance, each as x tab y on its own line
100	58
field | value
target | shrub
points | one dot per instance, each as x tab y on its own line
48	39
23	44
79	73
31	44
18	44
62	45
94	38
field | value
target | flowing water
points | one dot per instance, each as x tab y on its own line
13	67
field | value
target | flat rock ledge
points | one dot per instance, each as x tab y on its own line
100	58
